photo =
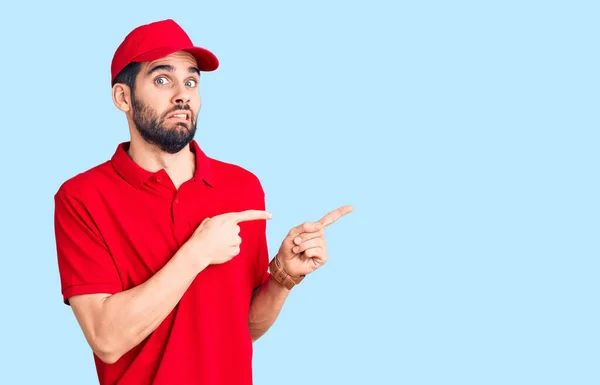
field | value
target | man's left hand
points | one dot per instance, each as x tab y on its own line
304	249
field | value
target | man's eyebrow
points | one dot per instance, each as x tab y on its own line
163	67
170	68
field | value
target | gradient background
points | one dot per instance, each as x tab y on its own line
465	134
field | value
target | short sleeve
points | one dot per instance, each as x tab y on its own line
84	262
262	272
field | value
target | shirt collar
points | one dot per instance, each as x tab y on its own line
137	176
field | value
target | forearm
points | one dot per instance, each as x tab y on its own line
265	307
128	317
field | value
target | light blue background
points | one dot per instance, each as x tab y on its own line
465	134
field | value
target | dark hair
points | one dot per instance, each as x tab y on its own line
127	75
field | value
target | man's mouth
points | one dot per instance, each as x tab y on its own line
185	116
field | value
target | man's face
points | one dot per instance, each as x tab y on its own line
166	101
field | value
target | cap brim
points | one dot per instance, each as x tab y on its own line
205	59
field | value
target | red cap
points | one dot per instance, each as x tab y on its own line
156	40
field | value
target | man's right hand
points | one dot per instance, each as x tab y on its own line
217	239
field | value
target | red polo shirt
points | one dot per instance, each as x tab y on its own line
118	224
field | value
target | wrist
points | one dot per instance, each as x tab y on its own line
195	257
280	275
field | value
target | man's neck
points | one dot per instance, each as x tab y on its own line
180	166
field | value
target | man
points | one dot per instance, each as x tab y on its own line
162	250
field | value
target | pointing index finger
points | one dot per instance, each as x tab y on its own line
251	215
335	215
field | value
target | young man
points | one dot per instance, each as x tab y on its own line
162	250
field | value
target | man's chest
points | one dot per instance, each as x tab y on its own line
144	231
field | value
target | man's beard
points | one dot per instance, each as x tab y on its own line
151	127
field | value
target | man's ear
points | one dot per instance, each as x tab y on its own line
121	94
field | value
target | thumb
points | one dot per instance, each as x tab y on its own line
200	227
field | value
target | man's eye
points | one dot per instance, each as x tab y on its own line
161	80
191	83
